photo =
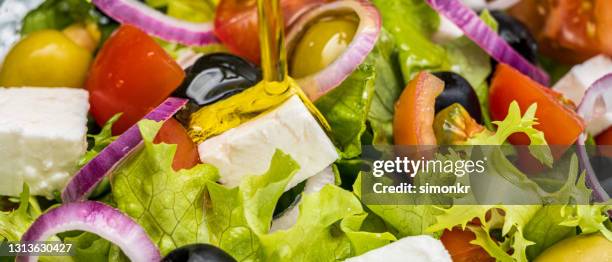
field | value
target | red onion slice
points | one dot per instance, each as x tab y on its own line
155	23
476	29
363	42
596	106
93	172
597	101
97	218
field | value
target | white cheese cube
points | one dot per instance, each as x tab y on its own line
42	136
575	83
248	148
414	249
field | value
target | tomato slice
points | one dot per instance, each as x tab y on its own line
236	23
172	132
415	111
569	30
560	124
131	74
457	242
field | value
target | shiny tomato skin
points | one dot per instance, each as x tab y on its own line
457	242
172	132
131	74
570	31
415	111
236	23
560	124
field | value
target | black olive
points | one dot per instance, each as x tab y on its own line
198	253
458	90
217	76
517	35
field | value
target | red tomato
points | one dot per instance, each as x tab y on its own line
186	156
236	23
131	74
457	242
560	124
605	138
415	110
569	30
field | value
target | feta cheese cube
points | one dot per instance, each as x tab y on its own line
575	83
248	148
415	249
42	136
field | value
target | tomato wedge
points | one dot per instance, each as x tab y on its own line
415	111
560	124
172	132
569	30
236	23
457	242
131	74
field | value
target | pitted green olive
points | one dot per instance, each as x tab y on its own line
322	43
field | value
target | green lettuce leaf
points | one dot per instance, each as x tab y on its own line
89	247
14	223
59	14
544	230
388	87
166	203
188	10
514	123
346	109
411	23
239	220
100	141
407	220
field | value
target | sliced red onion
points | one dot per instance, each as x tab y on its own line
479	32
363	42
97	218
490	5
93	172
596	103
596	106
155	23
599	193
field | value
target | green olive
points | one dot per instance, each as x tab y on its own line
593	247
46	58
322	43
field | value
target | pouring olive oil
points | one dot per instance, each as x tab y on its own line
275	88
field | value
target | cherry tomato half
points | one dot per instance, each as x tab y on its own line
236	23
131	74
172	132
560	124
457	242
415	111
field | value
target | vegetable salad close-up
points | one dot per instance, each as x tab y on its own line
243	130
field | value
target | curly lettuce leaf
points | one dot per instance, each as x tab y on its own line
166	203
589	218
14	223
514	123
239	220
346	109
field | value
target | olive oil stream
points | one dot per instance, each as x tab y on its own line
275	88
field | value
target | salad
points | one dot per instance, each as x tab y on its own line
242	130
